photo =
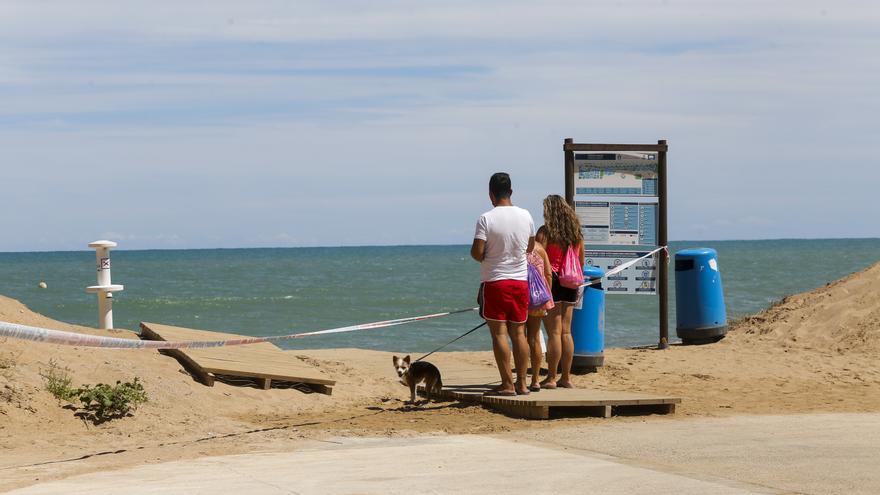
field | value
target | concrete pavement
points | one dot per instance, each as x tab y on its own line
817	453
803	453
459	464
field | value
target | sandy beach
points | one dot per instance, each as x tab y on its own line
814	352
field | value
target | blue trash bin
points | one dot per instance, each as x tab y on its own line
588	324
701	316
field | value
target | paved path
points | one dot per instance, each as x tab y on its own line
820	453
803	453
460	464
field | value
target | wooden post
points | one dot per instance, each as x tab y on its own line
663	258
569	172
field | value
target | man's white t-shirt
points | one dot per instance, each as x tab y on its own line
506	230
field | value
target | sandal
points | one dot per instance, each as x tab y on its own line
548	385
501	393
535	388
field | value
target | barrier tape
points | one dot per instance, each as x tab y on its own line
623	266
49	336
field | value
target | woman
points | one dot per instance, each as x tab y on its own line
563	232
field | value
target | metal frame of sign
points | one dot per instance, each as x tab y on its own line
569	147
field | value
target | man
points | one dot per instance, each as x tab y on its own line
503	236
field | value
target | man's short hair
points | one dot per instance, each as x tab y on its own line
499	185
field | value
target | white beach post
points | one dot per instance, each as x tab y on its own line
105	288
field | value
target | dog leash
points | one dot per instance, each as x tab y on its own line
451	341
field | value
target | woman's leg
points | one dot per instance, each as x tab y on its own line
567	345
553	324
533	328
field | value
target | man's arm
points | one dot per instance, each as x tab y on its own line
531	244
478	250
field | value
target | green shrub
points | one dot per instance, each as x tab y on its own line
57	381
103	402
100	402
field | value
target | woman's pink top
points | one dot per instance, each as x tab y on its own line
557	254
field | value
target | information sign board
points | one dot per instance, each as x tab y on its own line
615	197
619	194
640	278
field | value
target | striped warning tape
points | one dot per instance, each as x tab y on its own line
50	336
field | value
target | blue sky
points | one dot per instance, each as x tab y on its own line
239	124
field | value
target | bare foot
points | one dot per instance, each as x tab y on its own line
563	384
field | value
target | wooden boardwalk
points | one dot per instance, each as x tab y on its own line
468	385
264	363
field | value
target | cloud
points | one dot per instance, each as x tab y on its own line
242	123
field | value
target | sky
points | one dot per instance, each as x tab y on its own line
166	124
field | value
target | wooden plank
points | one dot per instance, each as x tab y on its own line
264	362
468	385
200	373
614	147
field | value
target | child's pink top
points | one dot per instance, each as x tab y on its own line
538	262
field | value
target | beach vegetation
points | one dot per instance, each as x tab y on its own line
57	381
103	402
100	402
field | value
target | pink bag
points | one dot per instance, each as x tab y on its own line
571	274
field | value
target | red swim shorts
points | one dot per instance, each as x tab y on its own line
505	300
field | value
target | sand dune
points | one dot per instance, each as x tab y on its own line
843	316
815	351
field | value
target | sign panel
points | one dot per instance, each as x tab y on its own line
615	198
640	278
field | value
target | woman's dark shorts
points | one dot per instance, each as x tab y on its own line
562	294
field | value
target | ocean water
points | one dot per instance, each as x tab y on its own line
287	290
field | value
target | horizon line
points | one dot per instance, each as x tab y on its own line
354	246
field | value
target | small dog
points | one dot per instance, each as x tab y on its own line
412	374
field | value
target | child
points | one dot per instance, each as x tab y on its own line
538	258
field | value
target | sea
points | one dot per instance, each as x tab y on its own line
277	291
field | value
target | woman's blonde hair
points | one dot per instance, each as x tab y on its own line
563	226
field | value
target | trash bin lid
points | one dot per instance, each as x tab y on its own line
593	272
696	253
